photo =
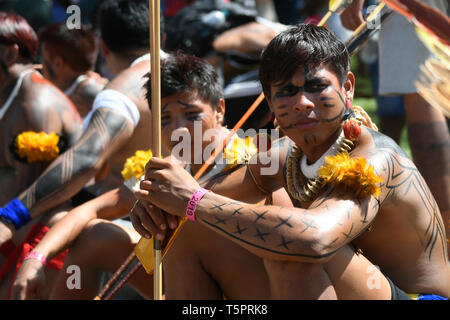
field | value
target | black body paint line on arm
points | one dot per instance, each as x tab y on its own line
75	161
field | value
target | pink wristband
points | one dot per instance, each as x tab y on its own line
192	204
36	255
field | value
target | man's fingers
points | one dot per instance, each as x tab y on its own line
157	216
157	163
148	186
359	20
18	291
172	221
137	225
155	175
146	221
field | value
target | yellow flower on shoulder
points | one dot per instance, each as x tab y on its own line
239	151
354	173
135	165
37	146
134	169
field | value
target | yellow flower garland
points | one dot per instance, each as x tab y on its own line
354	173
240	151
37	147
135	165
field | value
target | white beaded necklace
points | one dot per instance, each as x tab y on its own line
310	170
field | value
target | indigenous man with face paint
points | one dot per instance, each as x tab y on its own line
33	114
68	60
191	95
352	188
117	125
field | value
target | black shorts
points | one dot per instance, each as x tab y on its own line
396	292
82	197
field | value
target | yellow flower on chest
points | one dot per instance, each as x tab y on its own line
37	146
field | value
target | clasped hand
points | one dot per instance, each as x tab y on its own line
163	197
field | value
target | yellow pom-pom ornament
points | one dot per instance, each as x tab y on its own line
239	152
134	169
37	146
354	173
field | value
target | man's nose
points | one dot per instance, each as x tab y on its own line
302	102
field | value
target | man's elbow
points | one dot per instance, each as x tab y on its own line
318	249
88	161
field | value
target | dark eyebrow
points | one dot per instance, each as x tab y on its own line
308	81
313	80
187	105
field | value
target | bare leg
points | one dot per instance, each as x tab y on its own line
355	277
102	246
188	279
430	147
213	267
299	281
346	276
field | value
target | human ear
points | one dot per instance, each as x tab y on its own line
349	86
103	48
58	63
11	54
220	112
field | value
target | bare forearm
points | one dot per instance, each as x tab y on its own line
63	233
271	232
62	180
106	133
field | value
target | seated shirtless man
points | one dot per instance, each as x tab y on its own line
68	60
117	125
28	102
190	92
339	201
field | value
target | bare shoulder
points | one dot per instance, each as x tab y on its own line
268	168
131	82
92	85
46	108
391	163
41	96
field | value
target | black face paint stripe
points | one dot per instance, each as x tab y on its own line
340	97
307	138
337	117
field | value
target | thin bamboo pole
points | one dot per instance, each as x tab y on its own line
155	77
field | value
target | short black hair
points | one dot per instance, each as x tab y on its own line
77	47
181	72
14	29
124	25
304	44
